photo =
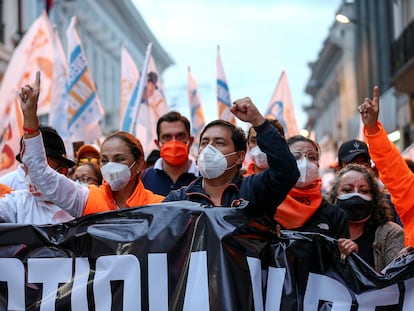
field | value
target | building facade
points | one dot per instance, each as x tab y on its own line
375	48
104	26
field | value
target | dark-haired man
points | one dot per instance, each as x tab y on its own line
174	168
221	154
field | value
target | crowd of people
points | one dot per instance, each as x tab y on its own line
369	193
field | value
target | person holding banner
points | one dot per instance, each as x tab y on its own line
121	159
356	191
393	171
221	155
305	208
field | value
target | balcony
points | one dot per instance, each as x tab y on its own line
402	61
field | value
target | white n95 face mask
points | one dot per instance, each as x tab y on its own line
117	175
309	172
212	163
259	157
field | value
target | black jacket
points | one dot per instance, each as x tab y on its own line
264	191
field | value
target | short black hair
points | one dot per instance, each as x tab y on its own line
238	136
173	116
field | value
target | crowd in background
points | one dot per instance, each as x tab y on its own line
366	207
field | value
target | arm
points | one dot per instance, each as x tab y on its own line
269	188
59	189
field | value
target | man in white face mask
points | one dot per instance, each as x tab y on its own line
221	154
258	158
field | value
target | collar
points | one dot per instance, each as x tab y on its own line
191	170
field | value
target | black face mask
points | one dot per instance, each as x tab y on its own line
356	208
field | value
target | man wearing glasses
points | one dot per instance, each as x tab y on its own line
174	168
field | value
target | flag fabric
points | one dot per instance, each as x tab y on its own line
152	105
223	93
281	107
197	113
129	90
34	53
84	107
58	116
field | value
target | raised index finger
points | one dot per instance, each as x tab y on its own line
36	87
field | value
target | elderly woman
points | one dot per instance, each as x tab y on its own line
356	192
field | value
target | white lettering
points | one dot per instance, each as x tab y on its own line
196	292
49	273
387	296
408	303
12	272
255	269
274	291
320	287
158	282
79	298
115	268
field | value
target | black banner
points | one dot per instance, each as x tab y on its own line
182	256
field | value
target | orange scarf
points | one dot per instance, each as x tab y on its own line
299	206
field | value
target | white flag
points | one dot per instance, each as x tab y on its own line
129	90
34	53
58	115
152	105
223	93
84	107
197	113
281	107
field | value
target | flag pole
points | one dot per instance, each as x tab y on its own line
141	87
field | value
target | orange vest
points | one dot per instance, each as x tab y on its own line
101	200
4	189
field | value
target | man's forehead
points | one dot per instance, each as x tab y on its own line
174	126
217	131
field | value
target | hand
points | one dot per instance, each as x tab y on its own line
346	247
245	110
29	97
369	111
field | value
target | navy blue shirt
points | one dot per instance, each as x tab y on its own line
159	182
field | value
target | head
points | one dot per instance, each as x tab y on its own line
152	158
88	173
258	157
228	141
361	197
55	150
125	156
87	153
174	138
251	133
152	79
353	151
410	164
307	154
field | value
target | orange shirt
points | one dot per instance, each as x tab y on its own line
100	198
396	176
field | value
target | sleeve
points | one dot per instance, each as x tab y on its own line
269	188
394	173
8	209
59	189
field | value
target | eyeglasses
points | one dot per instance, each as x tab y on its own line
85	179
89	160
310	155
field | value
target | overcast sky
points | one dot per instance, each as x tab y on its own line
258	39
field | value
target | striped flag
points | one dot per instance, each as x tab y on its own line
34	53
223	94
84	107
58	116
197	113
281	107
152	105
129	91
